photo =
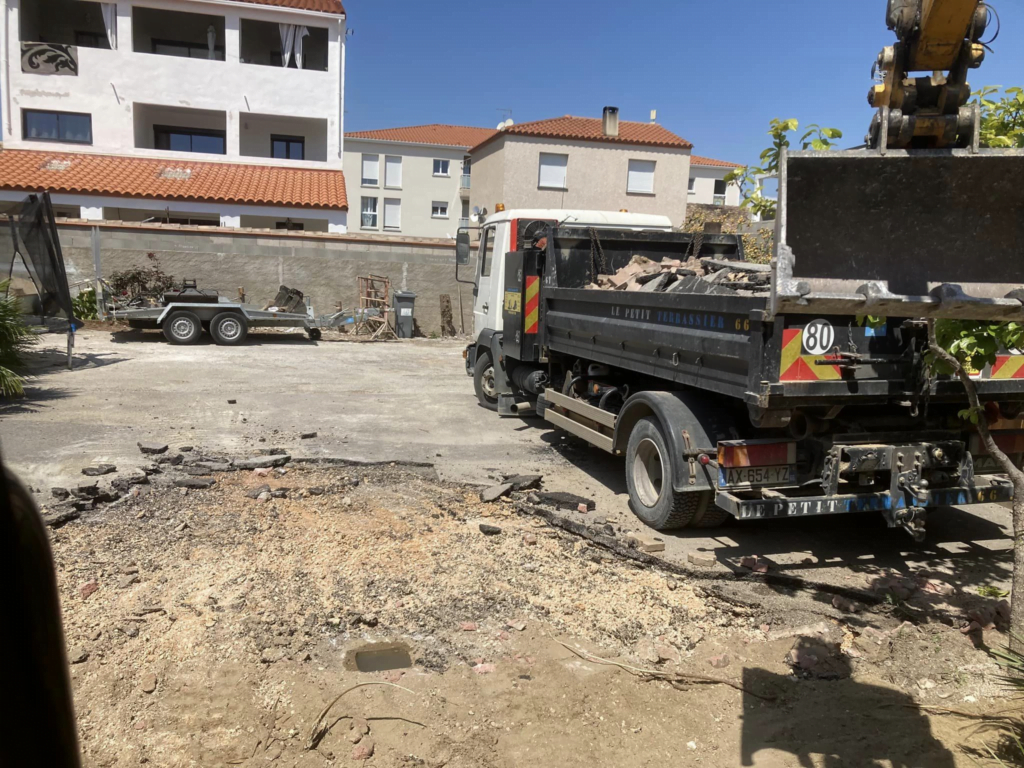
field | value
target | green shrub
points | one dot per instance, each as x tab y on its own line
15	338
84	304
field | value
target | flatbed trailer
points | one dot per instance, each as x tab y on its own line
785	401
227	322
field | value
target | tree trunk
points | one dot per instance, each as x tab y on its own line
1016	477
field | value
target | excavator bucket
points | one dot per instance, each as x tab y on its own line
919	233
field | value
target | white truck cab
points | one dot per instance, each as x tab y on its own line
498	236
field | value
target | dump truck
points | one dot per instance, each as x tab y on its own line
805	394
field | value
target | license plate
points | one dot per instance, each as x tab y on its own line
731	476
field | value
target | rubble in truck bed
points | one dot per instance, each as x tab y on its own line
703	275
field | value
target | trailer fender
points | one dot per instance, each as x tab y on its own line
677	412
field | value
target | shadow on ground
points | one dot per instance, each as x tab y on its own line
33	401
255	339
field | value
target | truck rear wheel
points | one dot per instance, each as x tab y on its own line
182	327
229	328
649	480
483	381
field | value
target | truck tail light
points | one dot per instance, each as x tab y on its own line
756	453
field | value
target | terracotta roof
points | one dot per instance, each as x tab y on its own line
321	6
707	161
435	133
172	179
591	129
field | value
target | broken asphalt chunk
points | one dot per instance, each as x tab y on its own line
98	469
59	517
523	482
153	448
495	492
489	530
263	462
198	483
562	500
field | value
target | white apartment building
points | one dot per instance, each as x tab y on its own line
412	181
211	112
707	182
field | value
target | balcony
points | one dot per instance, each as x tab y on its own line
52	31
176	129
464	223
464	186
283	138
175	33
263	43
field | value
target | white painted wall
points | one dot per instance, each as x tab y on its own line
420	188
110	83
704	177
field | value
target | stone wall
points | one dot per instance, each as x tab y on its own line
324	267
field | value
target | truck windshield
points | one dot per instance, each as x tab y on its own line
486	252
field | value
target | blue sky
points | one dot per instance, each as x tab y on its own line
717	71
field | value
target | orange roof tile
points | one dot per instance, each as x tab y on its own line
321	6
172	179
707	161
435	133
591	129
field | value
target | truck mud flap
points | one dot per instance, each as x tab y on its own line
923	233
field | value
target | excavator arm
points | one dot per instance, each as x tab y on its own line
943	38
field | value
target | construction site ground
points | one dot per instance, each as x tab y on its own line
207	627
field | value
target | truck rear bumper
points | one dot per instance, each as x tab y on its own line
986	489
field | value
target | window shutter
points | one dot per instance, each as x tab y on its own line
392	171
553	170
371	169
392	213
641	177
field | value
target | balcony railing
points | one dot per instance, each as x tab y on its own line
719	199
463	223
464	181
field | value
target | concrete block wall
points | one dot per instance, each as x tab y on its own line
324	267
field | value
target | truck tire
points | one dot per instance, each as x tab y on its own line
712	517
182	327
649	480
483	381
229	329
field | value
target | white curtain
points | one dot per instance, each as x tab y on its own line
109	11
211	42
287	42
300	32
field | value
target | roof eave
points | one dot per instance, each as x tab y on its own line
280	8
406	143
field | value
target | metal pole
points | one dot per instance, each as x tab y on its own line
101	310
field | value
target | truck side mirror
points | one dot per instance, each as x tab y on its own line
462	248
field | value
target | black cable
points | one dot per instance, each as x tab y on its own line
999	26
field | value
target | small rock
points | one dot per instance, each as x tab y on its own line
691	745
264	496
262	472
181	528
489	530
59	517
647	652
495	492
148	683
518	626
316	490
484	669
802	659
360	725
645	543
173	459
153	448
354	736
255	492
307	435
78	655
702	559
232	402
529	539
843	604
369	619
530	567
98	469
126	581
86	589
925	684
347	501
272	655
666	653
140	725
720	661
468	626
581	508
280	493
754	563
60	493
86	491
150	469
532	498
363	750
185	449
199	483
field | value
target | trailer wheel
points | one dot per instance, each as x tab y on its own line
182	327
483	381
649	480
229	328
314	334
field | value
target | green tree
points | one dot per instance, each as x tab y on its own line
752	177
15	338
1002	116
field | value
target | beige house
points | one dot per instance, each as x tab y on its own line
583	163
707	182
413	182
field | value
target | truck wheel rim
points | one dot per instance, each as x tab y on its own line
182	328
230	329
647	472
487	381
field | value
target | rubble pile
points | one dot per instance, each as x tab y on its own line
703	275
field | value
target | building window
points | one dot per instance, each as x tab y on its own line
207	141
640	177
392	213
288	147
371	171
442	167
691	186
438	210
720	186
369	213
188	50
486	252
72	127
288	224
392	172
91	40
552	171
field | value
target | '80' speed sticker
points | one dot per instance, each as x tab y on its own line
818	337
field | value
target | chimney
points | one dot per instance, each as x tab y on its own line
610	121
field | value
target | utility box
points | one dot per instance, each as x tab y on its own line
405	302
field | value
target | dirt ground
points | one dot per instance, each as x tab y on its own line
209	627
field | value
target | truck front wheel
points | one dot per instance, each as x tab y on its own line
483	381
649	480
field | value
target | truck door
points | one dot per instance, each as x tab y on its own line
486	307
